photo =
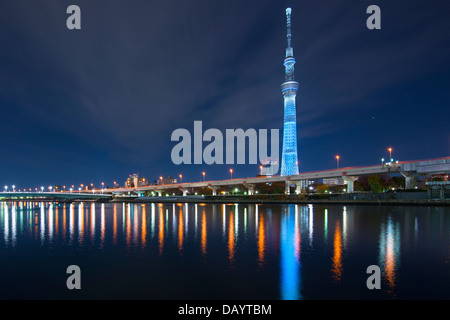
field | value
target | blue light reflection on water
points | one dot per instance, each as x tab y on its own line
290	254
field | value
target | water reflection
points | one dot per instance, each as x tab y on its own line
161	229
204	241
144	227
337	254
261	242
304	244
290	264
389	252
180	230
231	238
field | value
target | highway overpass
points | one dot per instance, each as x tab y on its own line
409	169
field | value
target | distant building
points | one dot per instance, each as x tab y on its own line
267	167
304	184
438	190
134	181
168	180
334	182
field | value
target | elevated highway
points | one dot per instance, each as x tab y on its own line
409	169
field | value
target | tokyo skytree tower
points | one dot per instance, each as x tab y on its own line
289	159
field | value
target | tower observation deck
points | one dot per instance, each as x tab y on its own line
289	159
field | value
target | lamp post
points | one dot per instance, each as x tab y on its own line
231	173
6	188
390	153
337	160
203	174
160	178
260	170
14	188
181	178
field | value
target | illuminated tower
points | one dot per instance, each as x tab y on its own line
289	160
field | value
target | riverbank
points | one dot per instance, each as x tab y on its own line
401	199
282	199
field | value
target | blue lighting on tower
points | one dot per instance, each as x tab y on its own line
289	159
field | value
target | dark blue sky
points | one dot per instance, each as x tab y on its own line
96	104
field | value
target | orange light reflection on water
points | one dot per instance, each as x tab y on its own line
115	224
144	227
161	230
64	221
337	254
180	230
231	238
203	241
261	241
128	226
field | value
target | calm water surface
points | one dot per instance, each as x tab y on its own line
223	251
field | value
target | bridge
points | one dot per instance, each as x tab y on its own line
408	169
55	195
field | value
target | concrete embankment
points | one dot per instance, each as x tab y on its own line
361	199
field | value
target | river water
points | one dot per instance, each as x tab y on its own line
223	251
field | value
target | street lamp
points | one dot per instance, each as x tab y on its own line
160	178
203	173
42	189
181	178
50	188
337	160
260	170
6	188
231	173
382	162
390	153
14	187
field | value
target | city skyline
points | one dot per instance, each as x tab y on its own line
97	104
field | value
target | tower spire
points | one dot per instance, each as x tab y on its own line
289	50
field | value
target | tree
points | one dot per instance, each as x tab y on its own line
375	184
363	183
322	188
397	182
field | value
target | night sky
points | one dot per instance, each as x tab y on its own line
97	104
